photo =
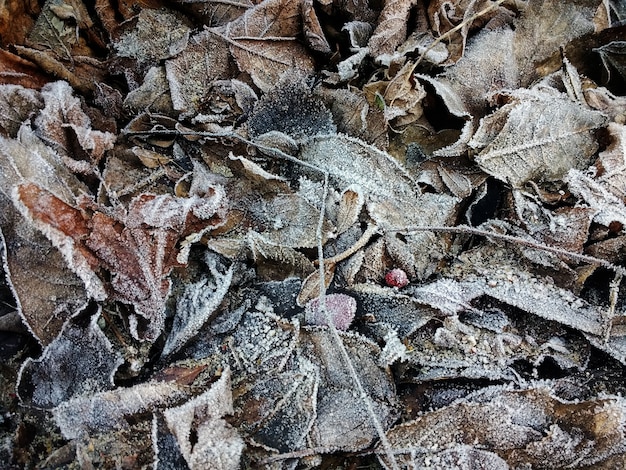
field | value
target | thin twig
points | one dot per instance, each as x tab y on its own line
464	229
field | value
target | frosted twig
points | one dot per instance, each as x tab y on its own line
464	229
371	230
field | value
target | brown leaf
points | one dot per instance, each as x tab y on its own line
191	73
17	104
391	27
62	112
46	291
262	41
153	35
522	427
138	251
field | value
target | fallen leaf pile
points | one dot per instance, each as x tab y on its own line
313	234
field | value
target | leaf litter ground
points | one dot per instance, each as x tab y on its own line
312	234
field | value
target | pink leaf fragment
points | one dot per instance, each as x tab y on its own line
341	309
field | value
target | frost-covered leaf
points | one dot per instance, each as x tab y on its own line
153	35
495	273
138	250
292	108
17	104
152	95
262	41
80	361
542	138
607	206
47	292
522	427
110	410
391	28
355	117
195	306
191	73
63	111
612	162
343	420
205	439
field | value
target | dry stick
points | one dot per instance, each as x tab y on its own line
365	398
464	229
482	12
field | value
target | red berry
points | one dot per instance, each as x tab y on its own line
396	278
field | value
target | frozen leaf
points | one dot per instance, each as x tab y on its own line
355	117
215	12
195	306
205	439
612	162
349	208
342	418
83	147
542	139
17	104
278	261
152	36
565	21
607	206
403	96
404	313
391	28
565	227
497	274
46	291
313	33
191	73
523	427
138	251
292	108
153	95
487	67
110	410
278	409
80	361
262	41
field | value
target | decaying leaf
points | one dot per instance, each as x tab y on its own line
262	41
152	36
17	104
521	142
195	306
80	361
391	28
519	426
205	439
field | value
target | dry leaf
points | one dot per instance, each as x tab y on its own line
262	41
152	36
529	146
196	305
191	73
522	427
80	361
17	104
391	27
205	439
46	291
